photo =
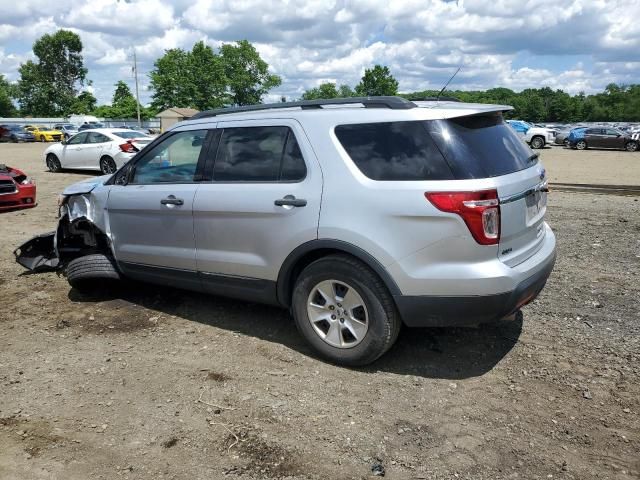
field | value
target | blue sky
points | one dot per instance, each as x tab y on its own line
575	45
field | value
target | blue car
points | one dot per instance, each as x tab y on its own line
15	134
575	135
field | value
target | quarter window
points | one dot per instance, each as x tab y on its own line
258	154
173	160
393	151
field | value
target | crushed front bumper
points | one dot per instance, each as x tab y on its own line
40	254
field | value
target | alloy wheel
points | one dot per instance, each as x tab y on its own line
337	313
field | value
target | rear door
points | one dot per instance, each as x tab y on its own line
262	200
151	217
613	138
594	137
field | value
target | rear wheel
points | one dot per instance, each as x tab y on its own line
581	145
344	311
631	146
567	144
91	272
53	164
107	165
537	142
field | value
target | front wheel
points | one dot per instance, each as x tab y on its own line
631	146
107	166
53	164
42	139
537	142
91	272
344	311
581	145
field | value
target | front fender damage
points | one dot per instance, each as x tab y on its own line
77	234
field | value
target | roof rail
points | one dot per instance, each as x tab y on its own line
436	99
394	103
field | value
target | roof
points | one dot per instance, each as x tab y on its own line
178	112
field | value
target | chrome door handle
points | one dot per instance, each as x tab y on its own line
172	200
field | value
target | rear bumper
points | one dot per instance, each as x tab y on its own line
451	311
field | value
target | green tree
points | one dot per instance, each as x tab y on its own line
122	93
208	79
83	104
49	85
328	90
7	109
247	75
377	81
170	80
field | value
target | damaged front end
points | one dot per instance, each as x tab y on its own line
81	230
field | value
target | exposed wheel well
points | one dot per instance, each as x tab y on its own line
308	253
81	237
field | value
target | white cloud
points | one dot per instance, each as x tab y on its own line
574	44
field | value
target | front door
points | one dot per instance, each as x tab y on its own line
72	150
262	200
151	217
612	138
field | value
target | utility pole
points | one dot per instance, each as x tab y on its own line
135	72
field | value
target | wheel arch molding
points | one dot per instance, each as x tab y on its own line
308	252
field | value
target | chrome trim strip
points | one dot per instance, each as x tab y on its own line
541	187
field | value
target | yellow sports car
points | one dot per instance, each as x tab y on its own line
44	134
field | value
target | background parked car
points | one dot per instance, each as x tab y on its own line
605	138
67	129
17	190
15	134
44	134
104	149
562	136
536	137
87	126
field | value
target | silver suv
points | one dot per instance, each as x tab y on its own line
358	215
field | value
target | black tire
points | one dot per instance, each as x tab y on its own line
631	146
566	144
383	320
53	164
537	142
91	272
581	145
42	139
107	165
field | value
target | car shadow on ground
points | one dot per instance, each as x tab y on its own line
445	353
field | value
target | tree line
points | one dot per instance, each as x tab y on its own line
54	85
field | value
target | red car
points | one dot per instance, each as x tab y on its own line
17	190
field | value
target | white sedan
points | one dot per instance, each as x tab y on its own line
104	149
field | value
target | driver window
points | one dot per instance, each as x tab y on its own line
77	139
172	161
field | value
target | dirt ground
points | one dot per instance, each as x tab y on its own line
155	383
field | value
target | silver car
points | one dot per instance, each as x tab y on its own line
359	215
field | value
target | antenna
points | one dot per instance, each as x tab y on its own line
447	84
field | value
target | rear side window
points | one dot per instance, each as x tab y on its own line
480	146
258	154
393	151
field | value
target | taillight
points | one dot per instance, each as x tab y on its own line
479	210
128	147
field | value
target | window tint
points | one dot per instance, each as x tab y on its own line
480	146
394	151
77	139
293	167
258	154
612	132
173	160
592	131
95	137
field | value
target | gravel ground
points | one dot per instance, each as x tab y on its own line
151	383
